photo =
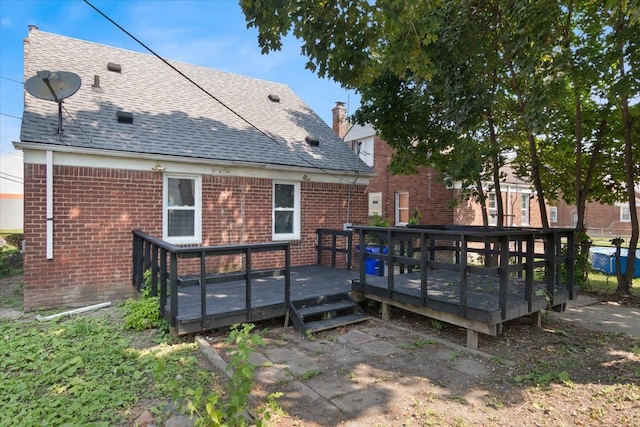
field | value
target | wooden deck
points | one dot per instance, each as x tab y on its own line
482	313
473	277
226	302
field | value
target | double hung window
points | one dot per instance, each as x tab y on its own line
524	209
182	214
286	211
402	208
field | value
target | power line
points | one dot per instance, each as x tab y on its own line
179	72
10	115
203	89
11	80
11	178
11	175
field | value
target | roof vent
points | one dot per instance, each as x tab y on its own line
312	141
274	98
124	117
116	68
96	81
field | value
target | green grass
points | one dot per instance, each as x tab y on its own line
606	284
85	371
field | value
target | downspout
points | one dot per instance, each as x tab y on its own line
49	196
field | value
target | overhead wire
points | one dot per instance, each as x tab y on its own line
10	115
174	68
11	80
11	178
76	123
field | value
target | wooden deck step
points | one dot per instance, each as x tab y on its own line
313	310
326	312
336	322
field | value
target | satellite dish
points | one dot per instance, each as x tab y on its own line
53	86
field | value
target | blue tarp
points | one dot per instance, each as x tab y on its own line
604	259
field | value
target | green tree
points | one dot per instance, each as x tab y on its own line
457	84
624	20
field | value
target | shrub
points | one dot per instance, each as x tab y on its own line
143	313
237	390
15	240
11	262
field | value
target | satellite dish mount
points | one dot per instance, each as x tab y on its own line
53	86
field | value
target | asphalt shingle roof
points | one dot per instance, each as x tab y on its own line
171	116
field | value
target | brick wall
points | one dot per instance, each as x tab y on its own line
96	209
469	212
600	220
426	193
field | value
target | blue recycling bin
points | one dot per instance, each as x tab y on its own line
375	266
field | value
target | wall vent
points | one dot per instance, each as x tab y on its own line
314	142
116	68
124	117
274	98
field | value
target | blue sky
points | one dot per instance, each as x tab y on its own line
211	33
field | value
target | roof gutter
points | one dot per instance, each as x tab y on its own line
40	146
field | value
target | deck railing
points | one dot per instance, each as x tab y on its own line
340	242
162	260
526	253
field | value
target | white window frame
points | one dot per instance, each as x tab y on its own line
364	149
295	235
524	209
553	214
398	208
625	214
492	208
197	236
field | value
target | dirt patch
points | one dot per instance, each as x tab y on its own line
412	371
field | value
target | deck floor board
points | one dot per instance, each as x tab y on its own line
316	281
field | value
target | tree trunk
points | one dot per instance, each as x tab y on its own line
533	150
625	281
496	164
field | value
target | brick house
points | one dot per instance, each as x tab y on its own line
142	147
395	197
601	220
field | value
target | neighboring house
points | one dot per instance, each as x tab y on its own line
144	148
601	220
11	192
521	208
395	197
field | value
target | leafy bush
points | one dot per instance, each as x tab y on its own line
230	413
143	313
11	262
15	240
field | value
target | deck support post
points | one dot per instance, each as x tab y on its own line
472	339
536	319
386	312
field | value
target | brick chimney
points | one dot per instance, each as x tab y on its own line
339	119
